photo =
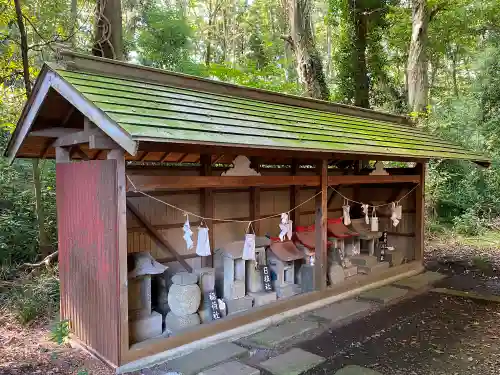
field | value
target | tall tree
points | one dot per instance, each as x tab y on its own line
108	40
309	63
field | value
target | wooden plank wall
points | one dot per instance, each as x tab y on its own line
236	204
88	257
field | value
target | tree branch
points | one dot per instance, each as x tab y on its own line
436	9
45	261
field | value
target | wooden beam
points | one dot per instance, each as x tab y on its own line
420	214
157	237
321	260
72	139
101	141
53	132
77	150
354	180
207	206
121	268
149	183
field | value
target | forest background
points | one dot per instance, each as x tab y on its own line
437	61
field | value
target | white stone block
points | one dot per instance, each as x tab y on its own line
146	327
263	298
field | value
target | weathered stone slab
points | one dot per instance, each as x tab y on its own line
184	278
420	281
231	368
383	294
238	305
342	310
356	370
364	260
276	335
197	361
293	362
350	271
285	291
146	327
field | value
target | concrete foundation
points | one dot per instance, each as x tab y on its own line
262	298
238	305
377	267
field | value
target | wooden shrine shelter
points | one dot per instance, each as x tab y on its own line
118	130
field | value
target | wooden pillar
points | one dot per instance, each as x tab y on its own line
255	198
420	213
63	155
321	260
121	227
295	195
207	206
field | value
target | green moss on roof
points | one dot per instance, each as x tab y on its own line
160	112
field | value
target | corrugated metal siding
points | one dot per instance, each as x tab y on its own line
175	114
88	254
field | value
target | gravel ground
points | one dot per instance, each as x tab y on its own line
431	334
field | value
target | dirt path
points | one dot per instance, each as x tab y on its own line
27	350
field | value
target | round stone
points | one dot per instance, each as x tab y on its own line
184	299
185	278
176	323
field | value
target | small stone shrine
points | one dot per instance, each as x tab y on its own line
281	259
144	323
254	274
231	278
184	297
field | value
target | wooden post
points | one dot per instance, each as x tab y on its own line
62	155
321	260
295	195
255	198
121	227
420	214
207	207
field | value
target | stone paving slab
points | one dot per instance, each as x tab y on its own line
277	335
342	310
231	368
420	281
356	370
293	362
193	363
383	294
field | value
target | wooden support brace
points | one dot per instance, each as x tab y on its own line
207	206
157	237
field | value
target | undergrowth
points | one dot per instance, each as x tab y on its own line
31	296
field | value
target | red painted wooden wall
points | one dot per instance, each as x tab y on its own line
88	253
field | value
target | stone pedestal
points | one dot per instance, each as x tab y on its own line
238	305
145	327
206	279
364	260
287	290
175	323
139	296
373	268
253	272
394	257
336	274
350	271
263	298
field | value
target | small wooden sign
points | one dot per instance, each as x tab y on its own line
266	278
213	306
382	246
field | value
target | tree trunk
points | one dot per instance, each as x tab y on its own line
108	40
74	17
362	84
44	244
454	59
417	70
309	65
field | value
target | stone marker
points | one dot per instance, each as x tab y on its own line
336	274
184	278
238	305
285	291
231	368
383	294
184	299
293	362
356	370
206	279
342	310
350	271
307	278
193	363
277	335
394	257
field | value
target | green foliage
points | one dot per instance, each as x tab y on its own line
60	332
32	297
